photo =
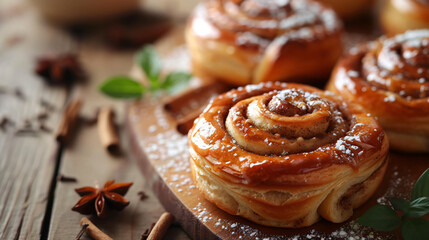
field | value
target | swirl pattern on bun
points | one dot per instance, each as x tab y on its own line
252	41
285	154
390	79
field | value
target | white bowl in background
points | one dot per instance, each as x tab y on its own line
83	11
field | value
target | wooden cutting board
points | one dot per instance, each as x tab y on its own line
157	128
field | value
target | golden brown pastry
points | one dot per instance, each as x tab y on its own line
252	41
349	8
390	79
284	154
399	16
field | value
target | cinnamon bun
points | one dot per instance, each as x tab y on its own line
389	78
284	154
350	8
251	41
399	16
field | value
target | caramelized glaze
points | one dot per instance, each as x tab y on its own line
399	64
254	24
241	42
416	8
399	16
362	137
389	79
390	75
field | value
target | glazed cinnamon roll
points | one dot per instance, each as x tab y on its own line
390	79
399	16
285	154
252	41
350	8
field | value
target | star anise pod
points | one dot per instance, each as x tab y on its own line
96	200
61	70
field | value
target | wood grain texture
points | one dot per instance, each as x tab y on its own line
27	161
87	160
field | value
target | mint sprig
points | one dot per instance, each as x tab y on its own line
421	188
151	64
122	87
380	217
411	221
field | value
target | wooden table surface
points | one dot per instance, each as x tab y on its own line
33	204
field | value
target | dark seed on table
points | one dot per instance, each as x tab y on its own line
63	178
49	106
44	128
4	122
19	94
142	195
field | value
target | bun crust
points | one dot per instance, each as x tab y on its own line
246	41
399	16
350	8
389	78
249	156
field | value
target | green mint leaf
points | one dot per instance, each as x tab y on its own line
176	81
413	229
380	217
122	87
421	188
400	204
418	208
150	63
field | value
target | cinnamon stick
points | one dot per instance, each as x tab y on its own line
93	231
200	95
185	124
69	120
107	131
161	226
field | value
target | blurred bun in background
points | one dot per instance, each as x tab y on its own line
68	12
398	16
347	9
